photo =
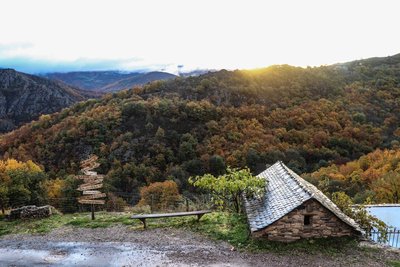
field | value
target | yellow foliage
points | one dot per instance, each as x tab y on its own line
337	176
12	165
54	187
33	167
44	117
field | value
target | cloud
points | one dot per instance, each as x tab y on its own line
10	49
12	56
18	55
35	66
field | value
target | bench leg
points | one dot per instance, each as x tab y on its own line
144	223
199	217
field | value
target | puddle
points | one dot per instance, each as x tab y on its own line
81	254
56	256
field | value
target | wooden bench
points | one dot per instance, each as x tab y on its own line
143	217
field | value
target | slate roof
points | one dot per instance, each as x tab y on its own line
286	191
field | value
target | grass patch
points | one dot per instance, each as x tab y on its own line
31	226
4	230
103	219
393	263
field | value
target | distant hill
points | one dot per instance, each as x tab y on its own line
24	97
197	72
89	80
135	80
107	81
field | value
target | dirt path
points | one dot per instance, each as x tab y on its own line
121	246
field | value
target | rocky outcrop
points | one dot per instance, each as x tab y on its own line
32	212
25	97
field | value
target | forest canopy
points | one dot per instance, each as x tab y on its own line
309	118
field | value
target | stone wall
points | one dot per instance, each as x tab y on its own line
32	212
291	227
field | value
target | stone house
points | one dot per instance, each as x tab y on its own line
292	208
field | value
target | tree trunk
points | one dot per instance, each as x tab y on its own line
92	211
236	204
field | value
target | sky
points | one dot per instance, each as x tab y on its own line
76	35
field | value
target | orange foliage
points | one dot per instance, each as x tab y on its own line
378	172
160	195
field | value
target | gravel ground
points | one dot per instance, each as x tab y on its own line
122	246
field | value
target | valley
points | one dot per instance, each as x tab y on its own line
108	81
199	133
308	118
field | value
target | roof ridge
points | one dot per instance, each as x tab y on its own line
285	191
302	185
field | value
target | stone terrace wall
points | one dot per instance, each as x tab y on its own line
291	227
32	212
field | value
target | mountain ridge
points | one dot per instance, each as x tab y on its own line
24	97
137	80
108	81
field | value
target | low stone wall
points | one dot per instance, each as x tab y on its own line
291	227
31	212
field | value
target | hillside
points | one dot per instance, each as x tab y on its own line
107	81
375	176
25	97
137	80
89	80
307	117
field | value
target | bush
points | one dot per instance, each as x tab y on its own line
140	209
160	195
358	213
115	203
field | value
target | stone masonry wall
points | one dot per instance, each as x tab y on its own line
323	223
32	212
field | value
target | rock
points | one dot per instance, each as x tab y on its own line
32	212
16	213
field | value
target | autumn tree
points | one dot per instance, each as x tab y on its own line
375	176
3	198
160	195
387	187
22	183
54	191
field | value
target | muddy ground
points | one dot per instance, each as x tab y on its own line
122	246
